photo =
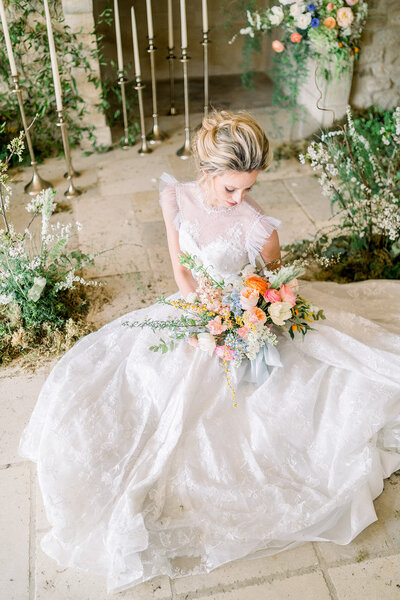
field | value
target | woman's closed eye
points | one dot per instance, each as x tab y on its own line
231	191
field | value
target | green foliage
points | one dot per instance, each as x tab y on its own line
359	166
42	295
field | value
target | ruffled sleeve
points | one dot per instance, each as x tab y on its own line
258	233
169	199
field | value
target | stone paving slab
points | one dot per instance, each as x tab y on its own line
376	579
310	586
14	532
18	395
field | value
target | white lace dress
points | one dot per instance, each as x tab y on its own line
145	466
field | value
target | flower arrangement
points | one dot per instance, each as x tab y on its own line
235	321
358	169
41	293
326	31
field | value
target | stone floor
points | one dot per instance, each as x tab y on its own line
119	211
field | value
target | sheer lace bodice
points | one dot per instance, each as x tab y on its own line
223	239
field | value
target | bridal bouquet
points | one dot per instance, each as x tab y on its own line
236	320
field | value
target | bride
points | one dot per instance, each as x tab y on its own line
145	467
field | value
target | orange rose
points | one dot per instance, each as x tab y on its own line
330	23
257	283
296	37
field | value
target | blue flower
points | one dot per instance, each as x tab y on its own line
311	7
314	22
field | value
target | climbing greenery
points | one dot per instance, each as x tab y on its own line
29	40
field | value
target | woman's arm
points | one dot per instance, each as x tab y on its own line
183	277
271	250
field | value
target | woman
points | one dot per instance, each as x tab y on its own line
143	461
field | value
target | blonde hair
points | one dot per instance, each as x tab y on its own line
231	141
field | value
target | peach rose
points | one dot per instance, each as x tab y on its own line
215	326
257	283
294	285
330	23
272	296
351	2
254	316
287	294
277	46
193	341
296	37
243	331
249	298
330	6
345	17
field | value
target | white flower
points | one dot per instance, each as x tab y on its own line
247	31
5	298
344	17
303	21
206	342
36	290
276	15
192	297
284	2
297	9
280	312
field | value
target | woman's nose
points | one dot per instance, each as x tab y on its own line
238	197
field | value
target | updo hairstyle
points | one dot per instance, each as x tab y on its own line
230	141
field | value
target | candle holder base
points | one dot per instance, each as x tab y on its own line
72	191
37	185
172	111
145	148
155	136
184	152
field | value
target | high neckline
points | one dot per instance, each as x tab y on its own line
207	208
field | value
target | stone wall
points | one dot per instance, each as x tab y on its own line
377	74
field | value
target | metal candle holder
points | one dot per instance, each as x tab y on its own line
205	43
155	136
171	57
185	151
145	148
72	191
37	184
122	82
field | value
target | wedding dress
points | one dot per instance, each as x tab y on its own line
145	466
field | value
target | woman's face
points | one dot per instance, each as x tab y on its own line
231	187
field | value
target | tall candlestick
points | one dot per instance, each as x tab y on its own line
135	44
205	15
170	26
183	24
7	38
118	37
149	19
53	58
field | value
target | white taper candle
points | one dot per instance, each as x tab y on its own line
118	37
135	44
7	38
205	15
170	26
149	19
53	58
183	24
